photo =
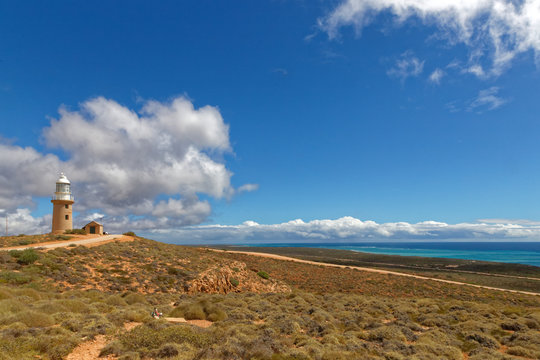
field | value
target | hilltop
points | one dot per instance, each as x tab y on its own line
258	308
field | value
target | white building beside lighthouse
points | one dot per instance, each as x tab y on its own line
62	206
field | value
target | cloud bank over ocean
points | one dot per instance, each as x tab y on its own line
350	229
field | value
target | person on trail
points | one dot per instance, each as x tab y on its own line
156	314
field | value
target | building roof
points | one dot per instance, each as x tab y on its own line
62	179
92	222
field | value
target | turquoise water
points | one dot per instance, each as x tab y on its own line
521	253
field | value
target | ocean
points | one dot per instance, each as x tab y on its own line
514	252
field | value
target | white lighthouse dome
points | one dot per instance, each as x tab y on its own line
62	179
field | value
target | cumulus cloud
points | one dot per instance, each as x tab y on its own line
121	161
436	76
21	221
349	229
487	99
406	66
497	29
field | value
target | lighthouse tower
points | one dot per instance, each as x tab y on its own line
62	206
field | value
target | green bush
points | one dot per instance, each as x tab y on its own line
15	253
33	318
520	351
112	348
135	298
167	351
28	256
5	293
145	337
75	232
234	282
216	315
263	274
14	278
194	312
129	233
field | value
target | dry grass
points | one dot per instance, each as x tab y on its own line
70	295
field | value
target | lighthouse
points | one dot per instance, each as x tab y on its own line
62	206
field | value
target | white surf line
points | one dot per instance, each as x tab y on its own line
64	243
286	258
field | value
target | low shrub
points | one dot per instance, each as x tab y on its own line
521	351
56	347
112	348
130	355
146	337
263	274
129	233
201	310
234	282
33	319
15	253
194	312
167	350
28	256
217	315
14	278
75	232
135	298
5	294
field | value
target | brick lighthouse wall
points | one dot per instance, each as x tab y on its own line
62	217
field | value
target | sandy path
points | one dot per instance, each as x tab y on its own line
90	350
199	323
286	258
64	243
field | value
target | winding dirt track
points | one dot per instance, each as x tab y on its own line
286	258
64	243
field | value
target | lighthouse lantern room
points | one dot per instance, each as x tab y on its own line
62	206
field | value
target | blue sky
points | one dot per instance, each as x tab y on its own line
388	111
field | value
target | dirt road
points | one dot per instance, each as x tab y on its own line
56	244
286	258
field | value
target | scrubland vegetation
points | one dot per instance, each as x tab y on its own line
22	239
501	275
51	301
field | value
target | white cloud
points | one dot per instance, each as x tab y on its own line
487	99
22	222
248	188
497	29
121	161
436	76
408	65
350	229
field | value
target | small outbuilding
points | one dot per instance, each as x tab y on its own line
93	228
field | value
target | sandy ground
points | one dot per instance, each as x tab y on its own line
90	240
286	258
90	350
199	323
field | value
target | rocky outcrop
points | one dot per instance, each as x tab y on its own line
234	277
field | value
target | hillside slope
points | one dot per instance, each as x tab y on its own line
50	301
